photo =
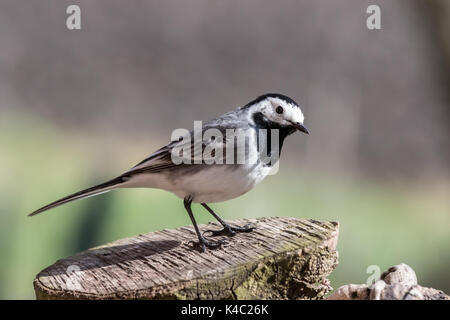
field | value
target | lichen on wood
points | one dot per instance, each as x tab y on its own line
283	258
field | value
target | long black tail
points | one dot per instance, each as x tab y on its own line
98	189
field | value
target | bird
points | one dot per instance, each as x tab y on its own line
177	167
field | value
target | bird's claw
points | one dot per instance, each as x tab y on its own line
230	231
202	244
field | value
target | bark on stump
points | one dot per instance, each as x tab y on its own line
283	258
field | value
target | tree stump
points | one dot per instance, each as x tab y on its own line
283	258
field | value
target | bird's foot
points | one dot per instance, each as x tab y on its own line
230	231
202	244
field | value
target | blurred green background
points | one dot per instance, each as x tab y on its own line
79	107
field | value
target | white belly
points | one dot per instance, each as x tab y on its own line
214	183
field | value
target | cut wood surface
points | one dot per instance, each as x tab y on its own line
283	258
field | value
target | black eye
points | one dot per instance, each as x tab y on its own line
279	110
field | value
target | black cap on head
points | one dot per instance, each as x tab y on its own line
271	95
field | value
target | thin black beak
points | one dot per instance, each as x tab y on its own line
300	127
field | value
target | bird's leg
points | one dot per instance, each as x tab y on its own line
202	242
227	229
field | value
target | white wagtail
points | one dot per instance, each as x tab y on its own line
205	182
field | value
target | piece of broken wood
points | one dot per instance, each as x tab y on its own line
283	258
399	282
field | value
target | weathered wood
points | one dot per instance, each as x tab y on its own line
283	258
397	283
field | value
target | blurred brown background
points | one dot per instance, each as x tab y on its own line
80	106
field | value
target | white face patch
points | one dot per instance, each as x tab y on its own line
290	113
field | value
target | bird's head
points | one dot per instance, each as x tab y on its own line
275	110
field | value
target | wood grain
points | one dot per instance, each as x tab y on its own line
283	258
